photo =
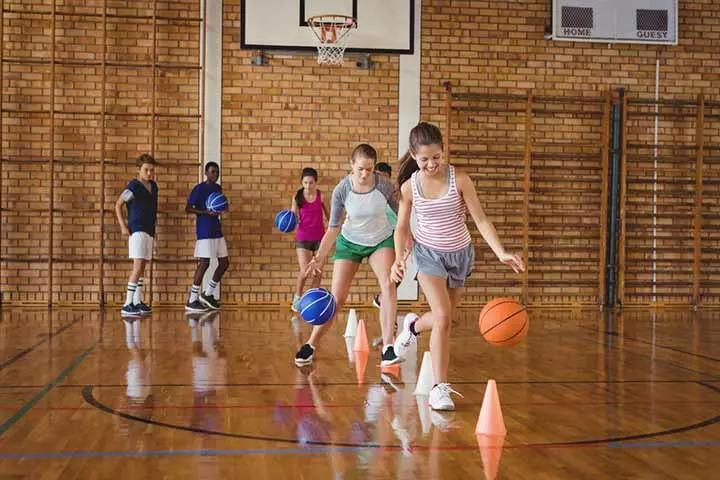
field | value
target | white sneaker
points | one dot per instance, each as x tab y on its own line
440	397
406	339
295	305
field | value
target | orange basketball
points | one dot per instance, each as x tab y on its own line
503	322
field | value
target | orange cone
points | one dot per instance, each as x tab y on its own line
490	451
361	341
490	421
361	360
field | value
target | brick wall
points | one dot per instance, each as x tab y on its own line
498	48
292	113
134	42
278	119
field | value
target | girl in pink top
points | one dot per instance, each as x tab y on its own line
443	249
309	207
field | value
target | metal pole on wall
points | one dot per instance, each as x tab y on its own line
614	177
526	194
604	180
152	135
101	273
622	199
51	199
655	175
2	115
448	118
201	80
697	210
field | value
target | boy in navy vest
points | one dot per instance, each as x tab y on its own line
141	198
210	242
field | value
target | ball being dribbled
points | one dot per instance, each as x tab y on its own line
503	322
317	306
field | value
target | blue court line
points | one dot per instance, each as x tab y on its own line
7	424
176	453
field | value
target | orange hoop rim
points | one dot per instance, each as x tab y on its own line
330	20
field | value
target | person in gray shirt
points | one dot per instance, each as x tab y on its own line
362	198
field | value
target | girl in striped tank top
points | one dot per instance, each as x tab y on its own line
443	249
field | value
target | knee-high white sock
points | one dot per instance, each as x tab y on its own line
194	291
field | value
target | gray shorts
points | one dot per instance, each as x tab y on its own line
455	266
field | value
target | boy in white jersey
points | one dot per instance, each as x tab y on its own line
443	248
366	233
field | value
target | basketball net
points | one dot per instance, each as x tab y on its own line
331	33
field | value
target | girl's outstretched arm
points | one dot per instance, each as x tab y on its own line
466	187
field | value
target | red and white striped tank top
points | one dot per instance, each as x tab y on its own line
441	221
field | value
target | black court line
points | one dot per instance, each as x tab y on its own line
88	396
657	345
24	352
645	355
711	387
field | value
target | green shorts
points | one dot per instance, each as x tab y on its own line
346	250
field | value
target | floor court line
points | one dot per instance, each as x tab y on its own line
27	406
90	399
29	349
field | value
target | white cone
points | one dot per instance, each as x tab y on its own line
426	378
349	344
351	327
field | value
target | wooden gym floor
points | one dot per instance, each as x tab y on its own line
86	395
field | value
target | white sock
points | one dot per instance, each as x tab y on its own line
137	298
194	291
210	289
130	293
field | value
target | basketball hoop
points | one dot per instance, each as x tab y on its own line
332	33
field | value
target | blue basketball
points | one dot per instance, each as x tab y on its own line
317	306
216	202
285	221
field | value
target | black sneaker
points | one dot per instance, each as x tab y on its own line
389	357
143	308
195	306
376	301
210	301
130	310
304	356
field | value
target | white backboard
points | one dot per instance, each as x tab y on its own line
383	26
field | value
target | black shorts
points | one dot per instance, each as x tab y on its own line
307	245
